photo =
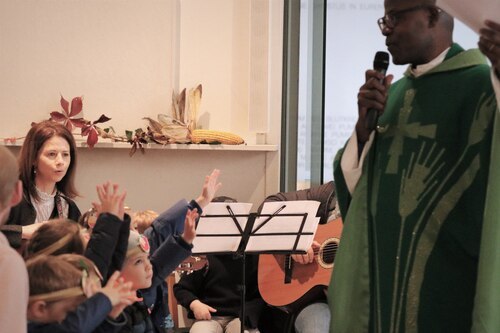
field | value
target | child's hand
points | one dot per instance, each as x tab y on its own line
210	187
201	310
118	291
190	226
29	230
110	200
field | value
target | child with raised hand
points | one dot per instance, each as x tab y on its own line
109	236
58	300
169	230
108	240
146	272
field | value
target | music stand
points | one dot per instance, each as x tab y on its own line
287	228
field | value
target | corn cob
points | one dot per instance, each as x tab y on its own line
211	136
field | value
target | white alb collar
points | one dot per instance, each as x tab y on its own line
424	68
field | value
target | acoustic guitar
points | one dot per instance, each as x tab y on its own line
191	264
282	281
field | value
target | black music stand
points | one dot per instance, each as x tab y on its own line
245	232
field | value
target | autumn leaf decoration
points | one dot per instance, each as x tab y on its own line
68	118
91	131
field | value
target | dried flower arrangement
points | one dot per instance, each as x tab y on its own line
179	127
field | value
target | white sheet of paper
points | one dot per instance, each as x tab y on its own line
282	224
220	226
472	13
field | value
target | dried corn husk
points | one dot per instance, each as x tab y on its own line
194	101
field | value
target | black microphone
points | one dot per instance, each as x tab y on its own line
380	64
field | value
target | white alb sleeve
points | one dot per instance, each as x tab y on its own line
350	164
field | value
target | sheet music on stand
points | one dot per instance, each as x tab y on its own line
281	227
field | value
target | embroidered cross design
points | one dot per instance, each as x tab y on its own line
404	129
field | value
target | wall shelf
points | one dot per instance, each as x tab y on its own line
193	146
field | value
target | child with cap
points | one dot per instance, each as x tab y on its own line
146	272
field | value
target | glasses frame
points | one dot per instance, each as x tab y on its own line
390	20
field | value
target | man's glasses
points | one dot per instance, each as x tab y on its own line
391	19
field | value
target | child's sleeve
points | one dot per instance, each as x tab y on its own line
189	287
103	241
87	316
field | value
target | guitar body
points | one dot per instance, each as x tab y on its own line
283	281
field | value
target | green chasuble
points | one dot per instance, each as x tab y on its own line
486	318
408	256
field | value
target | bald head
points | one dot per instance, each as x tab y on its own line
9	176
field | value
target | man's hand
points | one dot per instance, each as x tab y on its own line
210	187
190	226
489	43
110	200
371	95
201	310
309	256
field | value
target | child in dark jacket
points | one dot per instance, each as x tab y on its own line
167	231
145	272
212	295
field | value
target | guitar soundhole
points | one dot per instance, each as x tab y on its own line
327	253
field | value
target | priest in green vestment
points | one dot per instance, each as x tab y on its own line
413	192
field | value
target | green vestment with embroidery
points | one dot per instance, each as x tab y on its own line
408	255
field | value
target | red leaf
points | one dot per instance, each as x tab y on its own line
79	122
76	106
102	119
57	116
92	138
64	105
69	125
86	130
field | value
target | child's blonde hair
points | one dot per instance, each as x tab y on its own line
141	220
52	278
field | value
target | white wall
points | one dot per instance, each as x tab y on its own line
125	57
114	53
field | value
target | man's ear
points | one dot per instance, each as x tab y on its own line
37	311
17	195
434	16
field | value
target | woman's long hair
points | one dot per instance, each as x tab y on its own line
36	137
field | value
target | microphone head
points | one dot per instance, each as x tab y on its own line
381	61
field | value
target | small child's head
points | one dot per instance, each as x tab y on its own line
141	220
56	237
137	267
55	288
